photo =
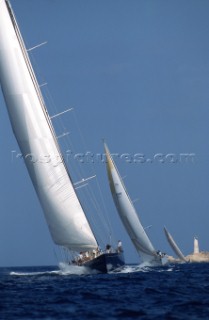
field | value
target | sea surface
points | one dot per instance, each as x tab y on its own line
171	292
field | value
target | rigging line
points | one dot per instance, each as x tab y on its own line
43	84
48	97
65	142
97	225
107	221
59	114
106	217
62	135
83	185
53	108
84	179
37	46
77	169
147	227
69	140
65	253
98	211
60	124
103	231
89	194
55	254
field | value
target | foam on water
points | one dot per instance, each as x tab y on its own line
13	273
66	269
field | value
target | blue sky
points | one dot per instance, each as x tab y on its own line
137	74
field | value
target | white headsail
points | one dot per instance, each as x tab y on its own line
128	213
174	245
36	138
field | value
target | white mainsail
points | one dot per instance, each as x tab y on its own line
174	245
128	213
35	135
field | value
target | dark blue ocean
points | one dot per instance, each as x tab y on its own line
171	292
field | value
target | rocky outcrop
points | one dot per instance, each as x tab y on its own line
193	258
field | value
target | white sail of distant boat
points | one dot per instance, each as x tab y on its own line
129	215
37	141
174	246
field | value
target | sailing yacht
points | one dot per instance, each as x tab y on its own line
35	135
174	246
129	216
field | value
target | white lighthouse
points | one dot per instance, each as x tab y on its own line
196	245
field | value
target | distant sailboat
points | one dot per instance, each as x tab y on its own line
174	246
129	216
36	138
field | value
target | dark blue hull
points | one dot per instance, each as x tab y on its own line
106	262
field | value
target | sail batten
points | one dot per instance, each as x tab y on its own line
128	213
35	135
